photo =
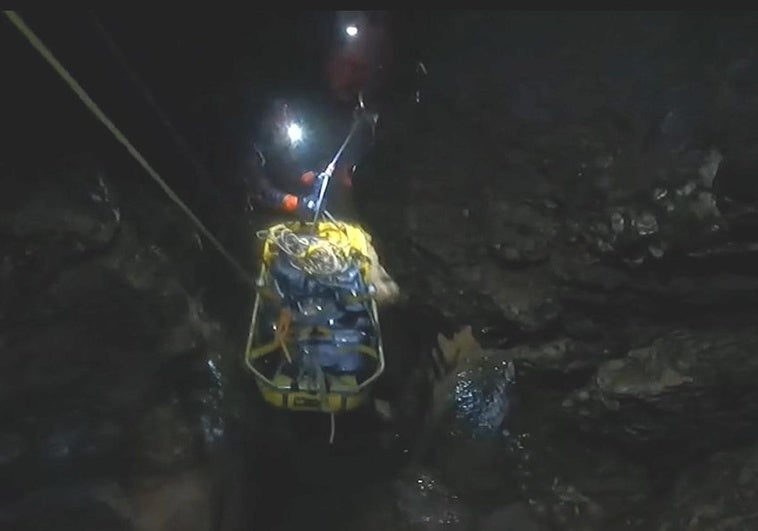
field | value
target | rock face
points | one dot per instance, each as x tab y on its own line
106	347
469	411
718	493
576	188
416	499
684	384
595	225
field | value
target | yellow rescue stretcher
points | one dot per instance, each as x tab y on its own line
314	342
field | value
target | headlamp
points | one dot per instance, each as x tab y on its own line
295	133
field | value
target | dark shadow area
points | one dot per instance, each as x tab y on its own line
566	200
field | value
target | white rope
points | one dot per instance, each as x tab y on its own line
313	254
17	21
147	95
333	426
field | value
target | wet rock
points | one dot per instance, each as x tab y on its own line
181	501
564	355
209	329
710	168
414	501
718	493
677	214
734	178
514	517
457	299
574	484
523	299
78	439
538	315
34	365
76	209
424	503
191	385
94	293
166	439
123	386
588	274
50	223
682	386
731	293
181	339
114	339
209	418
475	386
142	263
451	238
572	129
469	411
519	235
94	369
90	506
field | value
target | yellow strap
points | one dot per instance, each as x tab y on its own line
283	326
364	349
356	298
268	348
268	293
280	339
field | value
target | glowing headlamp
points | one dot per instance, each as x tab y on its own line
295	133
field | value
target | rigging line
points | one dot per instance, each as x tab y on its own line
45	52
149	98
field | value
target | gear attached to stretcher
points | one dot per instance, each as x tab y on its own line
314	341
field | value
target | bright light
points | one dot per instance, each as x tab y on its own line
351	30
295	132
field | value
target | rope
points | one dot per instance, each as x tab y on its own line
312	254
332	423
180	142
45	52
